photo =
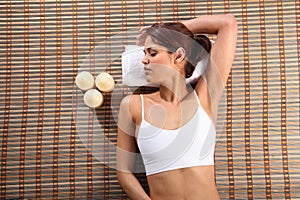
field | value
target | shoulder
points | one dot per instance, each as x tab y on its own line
131	104
130	99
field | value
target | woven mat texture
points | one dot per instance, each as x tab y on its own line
54	147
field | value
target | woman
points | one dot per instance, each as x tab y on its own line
174	127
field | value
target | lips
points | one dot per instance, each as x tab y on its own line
147	70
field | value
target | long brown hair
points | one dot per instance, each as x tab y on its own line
175	35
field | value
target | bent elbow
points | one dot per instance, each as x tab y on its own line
231	22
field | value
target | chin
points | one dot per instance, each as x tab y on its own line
153	83
149	79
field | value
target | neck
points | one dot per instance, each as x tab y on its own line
175	91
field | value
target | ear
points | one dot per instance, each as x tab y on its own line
180	55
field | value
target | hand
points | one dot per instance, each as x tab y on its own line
141	32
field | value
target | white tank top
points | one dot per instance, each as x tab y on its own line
191	145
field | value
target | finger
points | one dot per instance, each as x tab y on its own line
144	28
139	36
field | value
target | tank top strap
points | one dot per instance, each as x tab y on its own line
197	98
142	105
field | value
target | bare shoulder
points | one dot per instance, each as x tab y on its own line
129	100
131	104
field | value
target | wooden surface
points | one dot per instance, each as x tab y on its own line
52	146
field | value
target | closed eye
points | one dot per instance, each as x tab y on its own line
152	54
150	51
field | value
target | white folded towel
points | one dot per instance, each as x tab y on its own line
133	69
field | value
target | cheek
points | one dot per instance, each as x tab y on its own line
161	69
163	60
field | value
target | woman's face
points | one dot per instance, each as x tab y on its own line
158	62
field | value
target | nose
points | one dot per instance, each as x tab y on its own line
145	60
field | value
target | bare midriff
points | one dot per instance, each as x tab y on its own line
193	183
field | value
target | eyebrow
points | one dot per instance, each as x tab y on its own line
148	49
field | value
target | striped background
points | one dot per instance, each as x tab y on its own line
52	146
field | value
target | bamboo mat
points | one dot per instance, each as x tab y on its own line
54	147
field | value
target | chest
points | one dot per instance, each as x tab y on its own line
169	116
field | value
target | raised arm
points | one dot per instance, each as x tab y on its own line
223	50
210	87
126	152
